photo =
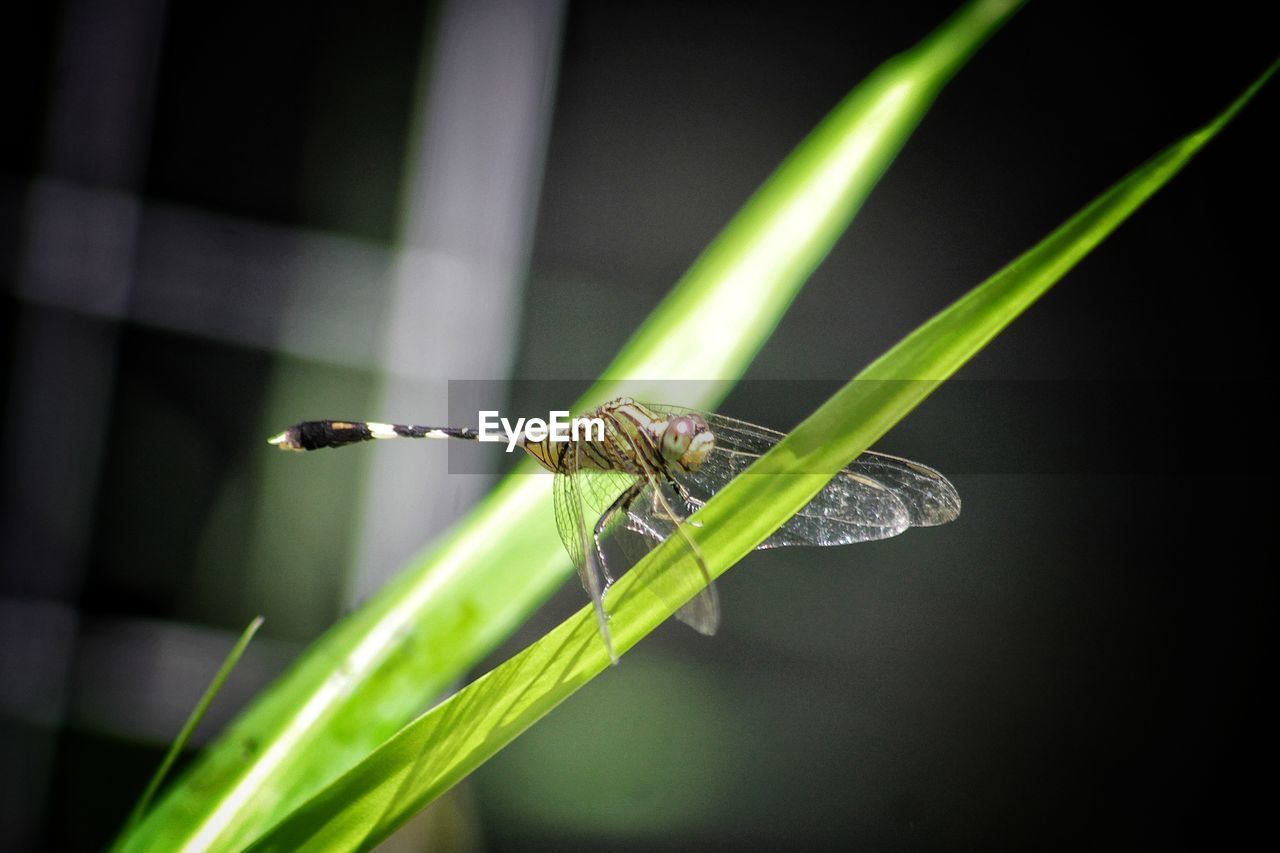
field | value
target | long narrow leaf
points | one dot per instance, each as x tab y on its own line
371	673
451	740
193	720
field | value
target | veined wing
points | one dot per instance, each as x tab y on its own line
571	522
637	530
929	496
649	523
875	497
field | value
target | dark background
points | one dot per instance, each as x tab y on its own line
1079	660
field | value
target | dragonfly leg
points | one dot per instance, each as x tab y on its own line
690	502
620	505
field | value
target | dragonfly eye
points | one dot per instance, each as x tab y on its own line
686	441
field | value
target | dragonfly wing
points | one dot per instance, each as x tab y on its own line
702	612
578	541
928	496
646	526
599	491
851	508
875	497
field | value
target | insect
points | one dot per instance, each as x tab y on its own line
653	465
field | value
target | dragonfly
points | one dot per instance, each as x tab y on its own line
652	466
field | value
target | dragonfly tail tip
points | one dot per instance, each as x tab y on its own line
286	440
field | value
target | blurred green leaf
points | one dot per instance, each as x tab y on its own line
451	740
197	714
370	674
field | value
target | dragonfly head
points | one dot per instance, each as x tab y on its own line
686	441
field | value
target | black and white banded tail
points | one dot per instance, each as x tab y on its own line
313	435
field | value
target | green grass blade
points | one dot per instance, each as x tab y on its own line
370	674
789	225
197	714
451	740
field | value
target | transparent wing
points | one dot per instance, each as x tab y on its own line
875	497
647	524
929	496
852	507
599	489
576	536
